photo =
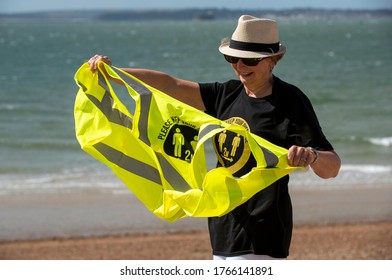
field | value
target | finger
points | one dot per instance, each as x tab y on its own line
302	157
93	62
291	155
96	59
311	155
106	59
298	156
303	161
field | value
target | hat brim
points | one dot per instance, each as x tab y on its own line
225	49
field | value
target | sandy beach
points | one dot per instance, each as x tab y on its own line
329	224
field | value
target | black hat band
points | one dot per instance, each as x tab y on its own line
254	47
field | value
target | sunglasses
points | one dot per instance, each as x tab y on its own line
246	61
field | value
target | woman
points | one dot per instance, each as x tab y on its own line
269	107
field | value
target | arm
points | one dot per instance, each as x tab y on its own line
325	164
182	90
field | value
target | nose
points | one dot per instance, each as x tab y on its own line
240	64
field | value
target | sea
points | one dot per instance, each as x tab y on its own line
343	65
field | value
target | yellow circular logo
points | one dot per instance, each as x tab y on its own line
232	149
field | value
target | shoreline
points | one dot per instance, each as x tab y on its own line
93	213
328	224
364	241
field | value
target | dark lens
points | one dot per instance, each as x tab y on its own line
251	61
231	59
246	61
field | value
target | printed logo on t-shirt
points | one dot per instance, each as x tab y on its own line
232	150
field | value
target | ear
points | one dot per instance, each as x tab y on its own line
273	61
278	57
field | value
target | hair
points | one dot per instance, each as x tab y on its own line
225	41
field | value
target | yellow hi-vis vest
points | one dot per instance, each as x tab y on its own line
158	149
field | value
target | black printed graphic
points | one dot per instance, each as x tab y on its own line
231	148
181	142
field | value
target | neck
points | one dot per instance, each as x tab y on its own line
262	90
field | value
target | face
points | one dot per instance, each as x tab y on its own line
254	76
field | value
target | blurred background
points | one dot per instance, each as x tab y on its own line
338	53
339	58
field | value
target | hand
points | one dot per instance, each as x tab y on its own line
97	58
301	156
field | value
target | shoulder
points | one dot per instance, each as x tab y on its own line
217	95
220	87
293	101
288	90
290	97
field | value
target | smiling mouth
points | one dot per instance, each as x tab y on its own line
245	74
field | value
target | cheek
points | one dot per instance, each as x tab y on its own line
264	70
234	66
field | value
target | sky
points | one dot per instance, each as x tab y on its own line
20	6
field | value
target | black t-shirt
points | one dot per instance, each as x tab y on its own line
262	225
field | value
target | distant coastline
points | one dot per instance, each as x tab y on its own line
188	14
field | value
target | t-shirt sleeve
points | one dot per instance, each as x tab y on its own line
306	130
217	96
209	94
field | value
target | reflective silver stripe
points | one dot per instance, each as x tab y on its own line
112	114
132	165
207	129
270	158
145	101
172	176
106	106
102	82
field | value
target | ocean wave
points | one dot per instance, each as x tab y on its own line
58	182
350	176
9	107
381	141
103	180
366	168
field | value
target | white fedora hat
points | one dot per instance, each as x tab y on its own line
254	38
